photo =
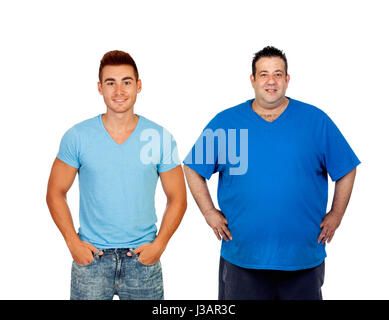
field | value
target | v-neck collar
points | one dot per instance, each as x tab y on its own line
106	133
281	117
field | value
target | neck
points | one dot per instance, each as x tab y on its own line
270	114
120	122
276	109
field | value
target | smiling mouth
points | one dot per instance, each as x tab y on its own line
271	91
119	100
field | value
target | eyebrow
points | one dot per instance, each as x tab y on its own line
112	79
279	70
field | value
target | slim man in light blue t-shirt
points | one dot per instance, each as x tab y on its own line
119	156
273	155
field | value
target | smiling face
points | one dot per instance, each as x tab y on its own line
119	87
270	82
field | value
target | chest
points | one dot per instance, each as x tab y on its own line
103	159
120	137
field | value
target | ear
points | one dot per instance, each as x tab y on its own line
139	86
252	79
287	79
99	88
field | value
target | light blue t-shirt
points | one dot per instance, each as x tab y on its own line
117	182
273	187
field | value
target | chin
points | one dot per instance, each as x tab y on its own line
120	109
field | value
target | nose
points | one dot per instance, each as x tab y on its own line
271	79
118	89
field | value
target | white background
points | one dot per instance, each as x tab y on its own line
194	58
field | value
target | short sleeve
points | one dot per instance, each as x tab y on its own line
69	148
169	153
205	153
339	158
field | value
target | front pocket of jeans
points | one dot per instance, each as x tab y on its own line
84	265
146	265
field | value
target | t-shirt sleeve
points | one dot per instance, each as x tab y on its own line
169	153
204	155
69	148
339	158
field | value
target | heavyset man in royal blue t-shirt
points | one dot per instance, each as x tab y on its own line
273	154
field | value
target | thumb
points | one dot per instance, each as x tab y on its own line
90	246
141	248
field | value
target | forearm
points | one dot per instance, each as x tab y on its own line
172	217
199	189
62	217
342	193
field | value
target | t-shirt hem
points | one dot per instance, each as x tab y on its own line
127	245
275	267
169	168
70	163
341	173
196	168
119	246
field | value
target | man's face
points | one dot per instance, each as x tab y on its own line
270	82
119	87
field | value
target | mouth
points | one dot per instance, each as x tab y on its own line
119	100
271	91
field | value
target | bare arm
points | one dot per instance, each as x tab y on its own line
60	181
215	218
342	194
173	184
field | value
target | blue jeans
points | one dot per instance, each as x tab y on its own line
116	273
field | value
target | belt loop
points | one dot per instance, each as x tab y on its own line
97	252
133	255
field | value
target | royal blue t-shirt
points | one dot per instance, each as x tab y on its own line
117	182
273	187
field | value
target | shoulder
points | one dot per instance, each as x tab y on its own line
235	110
147	124
84	127
230	115
308	110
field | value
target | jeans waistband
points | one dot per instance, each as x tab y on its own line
118	251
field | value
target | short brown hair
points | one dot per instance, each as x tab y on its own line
116	58
268	52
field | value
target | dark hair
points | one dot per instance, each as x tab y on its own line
268	51
116	58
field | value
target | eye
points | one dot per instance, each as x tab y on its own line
110	83
127	83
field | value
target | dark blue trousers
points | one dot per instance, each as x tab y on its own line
236	283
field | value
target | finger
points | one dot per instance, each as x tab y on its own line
216	233
99	252
325	235
227	232
322	235
223	231
224	236
139	249
91	247
330	237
